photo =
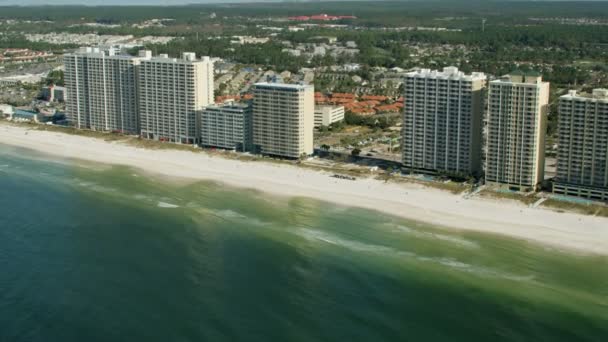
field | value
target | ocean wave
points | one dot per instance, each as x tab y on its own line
482	271
228	214
312	235
429	235
473	269
141	197
192	205
386	251
166	205
96	187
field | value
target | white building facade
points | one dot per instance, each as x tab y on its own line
516	125
283	119
172	94
103	90
227	126
327	115
442	121
582	159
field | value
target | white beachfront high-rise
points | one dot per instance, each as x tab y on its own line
283	119
102	90
517	120
172	94
582	158
442	121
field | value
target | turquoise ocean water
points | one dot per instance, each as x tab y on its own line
105	253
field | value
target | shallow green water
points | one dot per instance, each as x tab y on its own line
95	253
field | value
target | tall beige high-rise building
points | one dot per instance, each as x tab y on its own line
582	158
103	90
442	121
516	125
172	94
283	119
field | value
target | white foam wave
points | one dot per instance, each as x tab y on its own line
443	237
312	235
480	270
166	205
141	197
228	214
453	263
316	235
96	187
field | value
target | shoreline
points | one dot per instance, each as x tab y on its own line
567	231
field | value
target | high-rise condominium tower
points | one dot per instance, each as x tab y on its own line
283	119
227	125
172	93
582	159
102	90
442	121
516	124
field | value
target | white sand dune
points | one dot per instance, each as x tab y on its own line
586	234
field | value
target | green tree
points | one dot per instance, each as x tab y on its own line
55	77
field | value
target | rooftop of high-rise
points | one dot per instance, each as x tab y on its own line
105	51
596	94
283	85
229	105
447	73
187	57
520	77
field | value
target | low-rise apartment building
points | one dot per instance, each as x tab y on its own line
327	115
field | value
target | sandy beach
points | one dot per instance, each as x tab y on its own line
574	232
